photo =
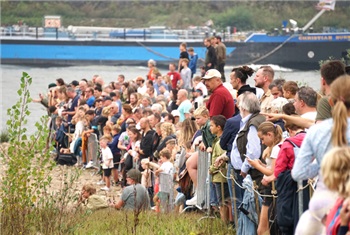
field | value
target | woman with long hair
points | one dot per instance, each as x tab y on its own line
317	142
167	131
132	150
187	131
126	114
172	102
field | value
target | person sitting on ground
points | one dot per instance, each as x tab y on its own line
135	196
90	200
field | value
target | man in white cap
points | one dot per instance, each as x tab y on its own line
220	101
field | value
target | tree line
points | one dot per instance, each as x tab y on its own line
181	14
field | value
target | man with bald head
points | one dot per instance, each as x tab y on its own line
100	81
220	101
147	139
263	78
184	104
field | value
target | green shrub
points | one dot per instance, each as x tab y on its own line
4	136
28	206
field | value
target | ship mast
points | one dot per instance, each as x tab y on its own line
324	5
313	19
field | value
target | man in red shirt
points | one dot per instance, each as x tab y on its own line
221	101
175	77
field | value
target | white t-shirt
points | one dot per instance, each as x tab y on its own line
142	89
124	138
79	128
106	155
202	87
167	167
310	115
274	155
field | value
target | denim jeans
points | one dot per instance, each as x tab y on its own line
213	197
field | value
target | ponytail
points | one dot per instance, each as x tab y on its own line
340	97
340	124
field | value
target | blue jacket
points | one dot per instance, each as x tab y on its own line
114	144
231	129
193	63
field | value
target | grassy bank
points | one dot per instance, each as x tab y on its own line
110	221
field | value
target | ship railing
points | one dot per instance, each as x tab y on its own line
174	35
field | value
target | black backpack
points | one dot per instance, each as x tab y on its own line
68	159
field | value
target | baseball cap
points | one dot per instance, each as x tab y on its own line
75	83
52	85
175	113
134	174
107	98
212	73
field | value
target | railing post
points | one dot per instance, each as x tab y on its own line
144	34
124	34
56	33
36	32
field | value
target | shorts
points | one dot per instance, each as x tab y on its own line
267	191
107	172
116	160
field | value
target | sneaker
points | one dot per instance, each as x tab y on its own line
89	165
192	201
101	182
180	199
105	188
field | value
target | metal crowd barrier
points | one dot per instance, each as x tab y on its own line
93	150
203	178
166	192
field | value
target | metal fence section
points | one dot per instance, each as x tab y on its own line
203	192
166	192
93	150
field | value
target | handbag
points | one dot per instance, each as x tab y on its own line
185	183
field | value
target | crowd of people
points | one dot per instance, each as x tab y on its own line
284	136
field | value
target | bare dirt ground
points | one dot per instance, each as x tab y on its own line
62	176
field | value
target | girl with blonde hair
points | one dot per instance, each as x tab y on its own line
335	168
167	131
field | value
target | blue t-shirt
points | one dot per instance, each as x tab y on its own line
183	108
91	101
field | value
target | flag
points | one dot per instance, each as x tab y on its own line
326	5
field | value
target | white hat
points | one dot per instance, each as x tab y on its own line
175	113
212	73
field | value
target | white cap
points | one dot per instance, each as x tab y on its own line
175	113
212	73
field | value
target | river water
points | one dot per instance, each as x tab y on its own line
10	82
